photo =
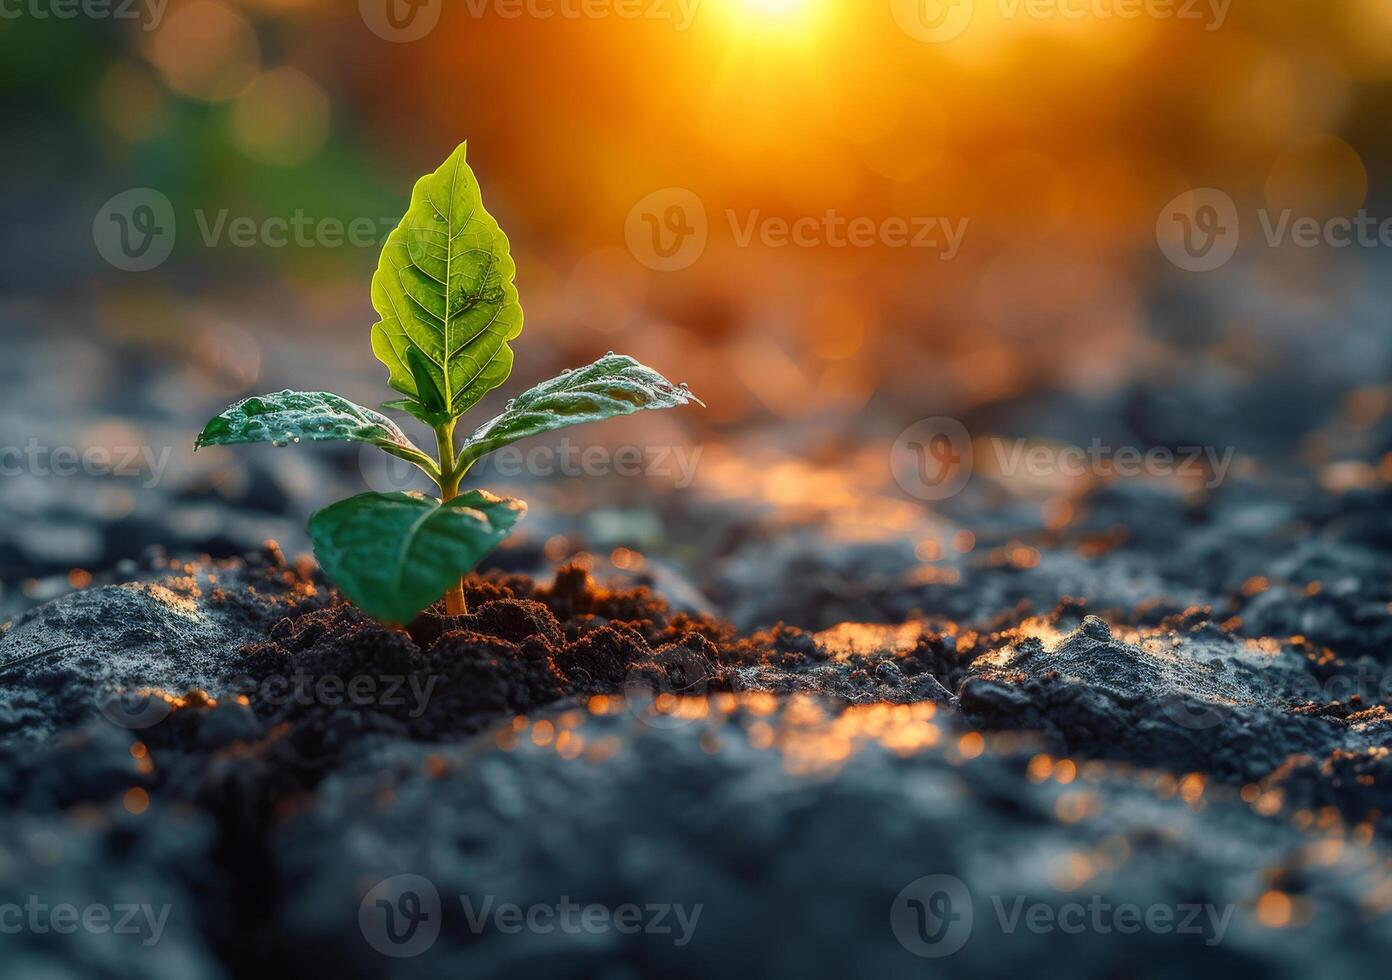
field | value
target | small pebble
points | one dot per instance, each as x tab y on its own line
1096	628
889	672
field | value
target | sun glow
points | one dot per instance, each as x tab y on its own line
766	60
786	19
775	8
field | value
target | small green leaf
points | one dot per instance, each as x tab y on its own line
292	416
430	418
395	553
444	288
428	394
613	385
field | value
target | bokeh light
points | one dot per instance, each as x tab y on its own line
282	118
205	50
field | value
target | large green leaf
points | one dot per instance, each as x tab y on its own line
444	289
284	417
613	385
395	553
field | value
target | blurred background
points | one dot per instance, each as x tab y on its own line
1018	172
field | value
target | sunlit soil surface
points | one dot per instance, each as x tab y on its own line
575	737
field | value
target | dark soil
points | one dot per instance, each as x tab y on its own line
576	740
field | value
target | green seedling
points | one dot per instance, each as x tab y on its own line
444	291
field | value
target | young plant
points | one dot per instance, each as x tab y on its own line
448	306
